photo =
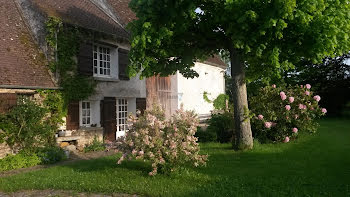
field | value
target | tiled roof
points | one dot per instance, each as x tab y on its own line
20	61
83	13
216	61
122	10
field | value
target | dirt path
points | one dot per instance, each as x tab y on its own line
59	193
74	156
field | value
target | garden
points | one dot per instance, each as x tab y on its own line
312	165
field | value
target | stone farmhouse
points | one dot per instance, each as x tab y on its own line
25	56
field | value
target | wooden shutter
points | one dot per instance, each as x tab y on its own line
7	101
85	59
141	104
73	116
123	56
109	118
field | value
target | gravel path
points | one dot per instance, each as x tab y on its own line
59	193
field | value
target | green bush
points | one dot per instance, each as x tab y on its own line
26	126
279	113
24	159
222	125
220	102
21	160
50	155
205	136
96	145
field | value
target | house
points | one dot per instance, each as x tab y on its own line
104	59
22	64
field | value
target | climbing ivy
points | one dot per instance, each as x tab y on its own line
66	39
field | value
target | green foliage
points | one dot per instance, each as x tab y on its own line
21	160
96	145
223	126
25	158
26	126
50	154
331	79
205	97
67	39
269	36
283	112
205	136
220	102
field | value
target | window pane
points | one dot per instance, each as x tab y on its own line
88	121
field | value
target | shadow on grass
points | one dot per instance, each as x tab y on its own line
110	164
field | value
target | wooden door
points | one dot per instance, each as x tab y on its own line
109	118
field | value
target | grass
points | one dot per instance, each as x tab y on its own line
315	165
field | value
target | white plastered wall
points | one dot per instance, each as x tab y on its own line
190	91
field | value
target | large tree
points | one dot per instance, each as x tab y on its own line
264	37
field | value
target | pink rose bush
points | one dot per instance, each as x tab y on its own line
284	118
167	144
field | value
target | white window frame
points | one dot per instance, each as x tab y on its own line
86	115
102	60
122	116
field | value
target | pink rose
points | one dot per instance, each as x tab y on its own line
291	99
301	86
283	95
267	125
308	86
286	139
260	117
288	107
273	85
301	106
287	117
307	93
324	110
317	98
295	130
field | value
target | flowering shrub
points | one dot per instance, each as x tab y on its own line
167	144
280	113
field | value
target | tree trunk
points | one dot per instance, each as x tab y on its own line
244	139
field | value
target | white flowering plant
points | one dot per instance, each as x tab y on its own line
279	113
167	144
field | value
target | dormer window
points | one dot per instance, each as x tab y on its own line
101	60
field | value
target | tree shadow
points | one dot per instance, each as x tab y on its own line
109	163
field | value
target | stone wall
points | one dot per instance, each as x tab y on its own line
82	137
4	150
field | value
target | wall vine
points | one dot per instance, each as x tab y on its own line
66	39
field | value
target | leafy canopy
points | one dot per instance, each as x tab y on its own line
271	36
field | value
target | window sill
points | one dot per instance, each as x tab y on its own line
89	128
100	78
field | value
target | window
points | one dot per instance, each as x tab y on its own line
85	113
122	115
102	60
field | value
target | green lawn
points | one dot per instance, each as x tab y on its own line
315	165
